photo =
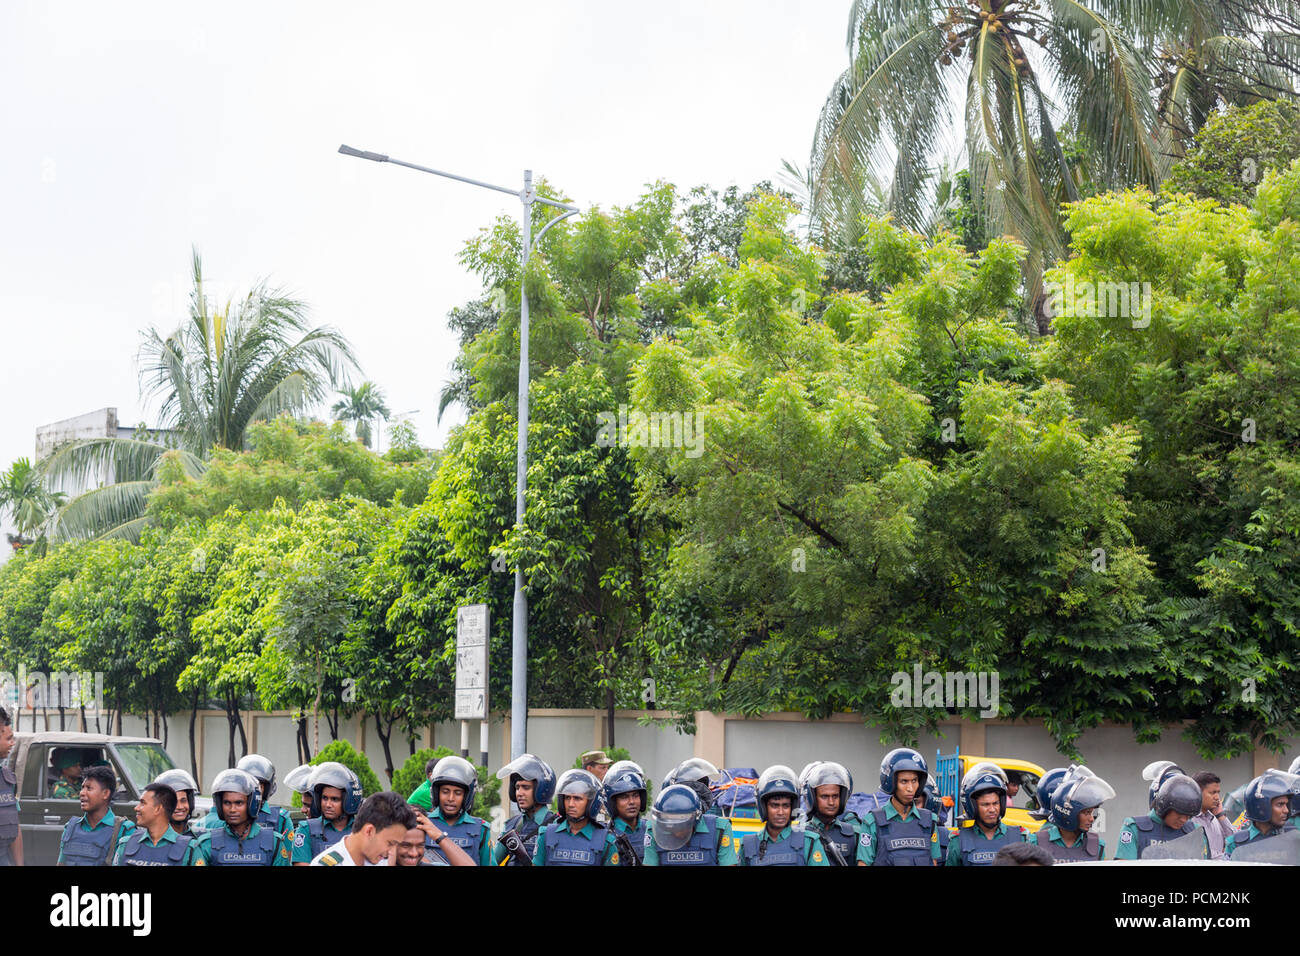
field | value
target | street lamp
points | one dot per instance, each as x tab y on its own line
519	629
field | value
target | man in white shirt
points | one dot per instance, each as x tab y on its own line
1212	818
379	826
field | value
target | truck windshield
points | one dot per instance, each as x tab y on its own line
143	762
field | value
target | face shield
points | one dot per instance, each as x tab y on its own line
1089	792
526	766
672	830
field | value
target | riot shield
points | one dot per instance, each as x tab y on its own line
1189	846
1283	849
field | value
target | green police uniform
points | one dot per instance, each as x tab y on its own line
109	820
867	843
1250	833
300	841
813	852
954	846
169	837
202	853
728	845
1052	833
1128	838
588	832
485	846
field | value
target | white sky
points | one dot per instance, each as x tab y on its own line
133	131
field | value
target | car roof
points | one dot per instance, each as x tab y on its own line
1007	763
68	737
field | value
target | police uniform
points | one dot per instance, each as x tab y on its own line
260	847
138	849
1253	834
84	845
316	835
468	832
890	838
1088	846
1141	832
843	833
636	838
9	809
527	826
790	847
592	845
712	844
274	818
974	847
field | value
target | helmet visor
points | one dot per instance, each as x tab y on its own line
672	830
526	766
1090	792
825	774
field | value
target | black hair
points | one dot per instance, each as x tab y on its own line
4	718
1206	777
103	776
164	796
429	765
1014	776
1022	854
383	810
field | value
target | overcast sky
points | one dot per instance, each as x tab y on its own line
133	131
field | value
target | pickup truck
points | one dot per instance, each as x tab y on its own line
135	760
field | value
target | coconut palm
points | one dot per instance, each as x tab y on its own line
29	503
362	405
223	369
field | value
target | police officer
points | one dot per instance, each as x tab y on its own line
299	781
272	817
91	839
1270	803
900	833
452	784
680	833
779	843
1158	771
530	782
239	840
984	796
625	796
1176	802
154	842
826	789
1047	785
701	776
186	789
929	799
336	798
11	835
1068	833
577	839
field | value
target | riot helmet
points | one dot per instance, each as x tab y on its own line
528	767
825	773
235	780
1080	790
458	771
579	783
900	759
1047	785
1158	771
1267	787
261	768
178	780
982	778
333	774
1178	794
775	780
677	811
623	780
299	778
698	774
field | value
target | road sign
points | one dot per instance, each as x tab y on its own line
472	662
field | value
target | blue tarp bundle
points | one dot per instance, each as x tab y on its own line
863	803
737	794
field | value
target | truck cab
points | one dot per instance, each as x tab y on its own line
135	760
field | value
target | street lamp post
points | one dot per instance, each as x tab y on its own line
519	630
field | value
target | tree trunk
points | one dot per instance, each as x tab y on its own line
315	706
230	729
239	722
384	734
332	718
194	754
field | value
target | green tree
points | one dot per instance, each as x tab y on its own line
1235	148
29	503
363	405
226	367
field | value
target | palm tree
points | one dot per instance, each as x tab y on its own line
362	405
27	500
223	369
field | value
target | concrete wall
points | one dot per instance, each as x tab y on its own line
558	736
101	423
